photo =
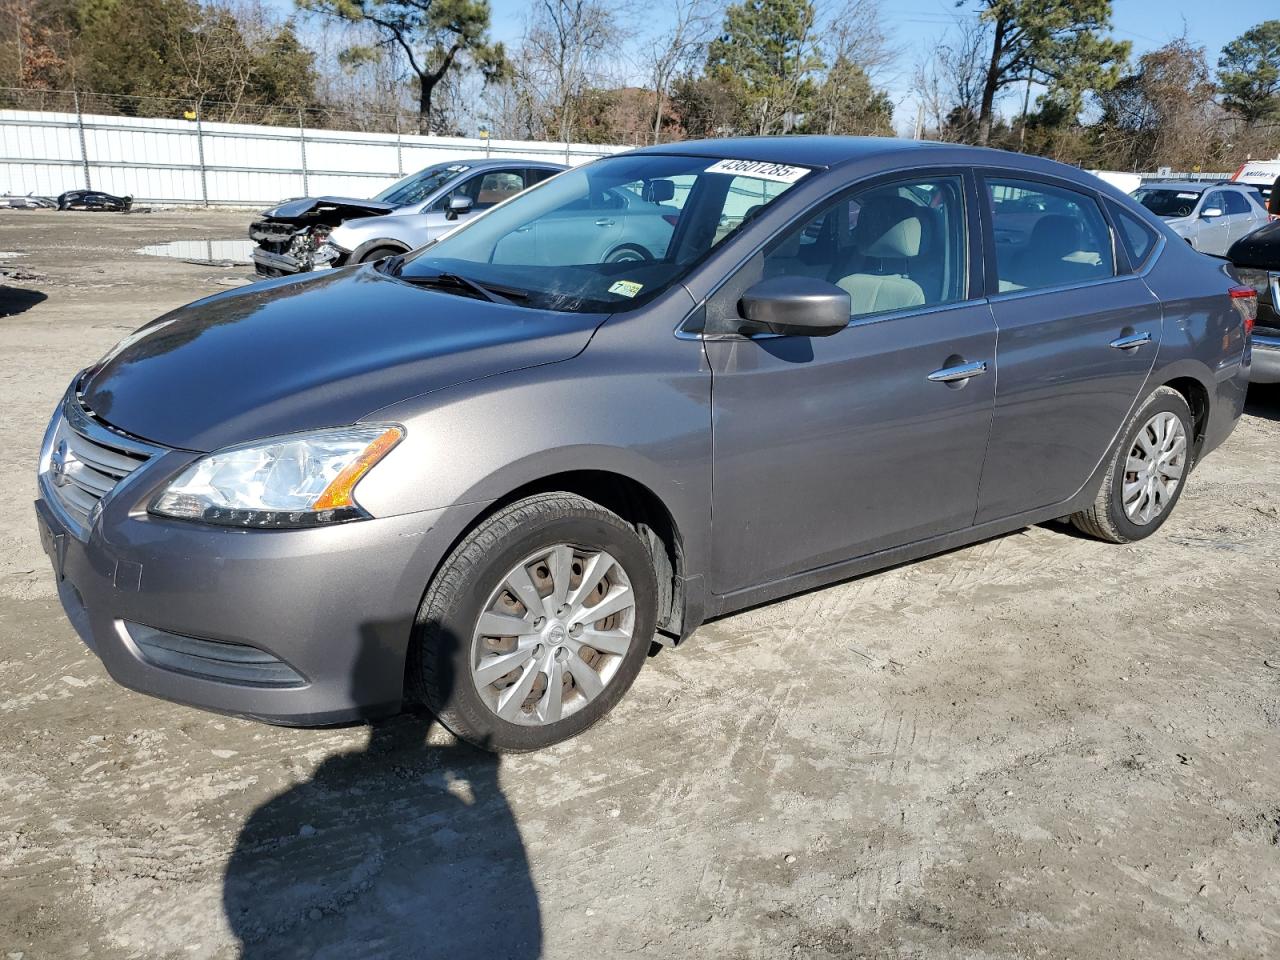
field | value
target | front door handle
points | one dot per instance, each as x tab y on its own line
1130	342
604	222
961	371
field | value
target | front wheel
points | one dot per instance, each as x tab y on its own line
536	625
379	253
1149	467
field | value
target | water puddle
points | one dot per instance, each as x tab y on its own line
214	253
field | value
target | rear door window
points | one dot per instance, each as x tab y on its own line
1236	202
1046	236
535	175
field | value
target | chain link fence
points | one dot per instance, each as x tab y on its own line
172	151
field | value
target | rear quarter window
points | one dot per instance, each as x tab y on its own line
1137	237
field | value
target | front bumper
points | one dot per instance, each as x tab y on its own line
270	264
335	605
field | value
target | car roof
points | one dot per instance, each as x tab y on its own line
815	150
1199	186
484	163
1186	186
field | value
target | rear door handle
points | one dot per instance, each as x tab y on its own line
1130	342
961	371
604	222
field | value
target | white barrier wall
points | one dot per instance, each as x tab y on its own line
184	162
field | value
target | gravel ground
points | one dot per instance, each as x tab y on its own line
1038	746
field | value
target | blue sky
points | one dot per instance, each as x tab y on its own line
916	26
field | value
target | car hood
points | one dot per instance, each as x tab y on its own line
331	208
1260	249
326	350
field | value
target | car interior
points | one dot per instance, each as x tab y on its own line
1046	236
890	248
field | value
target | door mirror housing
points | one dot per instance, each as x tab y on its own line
796	306
659	191
1210	212
457	206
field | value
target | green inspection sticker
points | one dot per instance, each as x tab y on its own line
626	288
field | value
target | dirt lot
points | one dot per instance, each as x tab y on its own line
1039	746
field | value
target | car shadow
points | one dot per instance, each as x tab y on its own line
1263	401
406	848
16	300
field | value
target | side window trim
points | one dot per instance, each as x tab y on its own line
987	174
1124	263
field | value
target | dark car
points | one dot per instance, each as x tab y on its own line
489	476
95	200
1257	261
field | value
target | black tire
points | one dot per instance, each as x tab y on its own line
438	673
379	253
1106	519
628	253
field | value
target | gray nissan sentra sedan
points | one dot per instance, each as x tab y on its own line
490	476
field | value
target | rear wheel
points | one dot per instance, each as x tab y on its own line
628	253
1148	470
536	624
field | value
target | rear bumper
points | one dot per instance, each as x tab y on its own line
299	627
1265	366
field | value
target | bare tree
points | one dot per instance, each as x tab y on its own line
949	84
677	49
434	37
566	46
373	87
854	48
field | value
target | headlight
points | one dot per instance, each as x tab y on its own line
295	481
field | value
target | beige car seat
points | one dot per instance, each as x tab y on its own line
889	233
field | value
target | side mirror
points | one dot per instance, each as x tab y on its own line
659	191
797	306
1210	212
457	206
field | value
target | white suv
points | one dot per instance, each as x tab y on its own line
1209	216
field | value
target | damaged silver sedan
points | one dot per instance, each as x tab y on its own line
314	232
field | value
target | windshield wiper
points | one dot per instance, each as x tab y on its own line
391	266
493	293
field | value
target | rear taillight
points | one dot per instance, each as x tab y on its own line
671	218
1245	300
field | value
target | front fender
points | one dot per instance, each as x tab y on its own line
646	417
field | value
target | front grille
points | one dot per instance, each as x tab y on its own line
85	460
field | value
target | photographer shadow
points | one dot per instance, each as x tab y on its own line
403	849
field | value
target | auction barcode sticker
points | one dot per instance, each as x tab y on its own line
779	172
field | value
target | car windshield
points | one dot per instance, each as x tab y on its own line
418	186
1167	202
608	235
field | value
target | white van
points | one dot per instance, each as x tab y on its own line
1264	175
